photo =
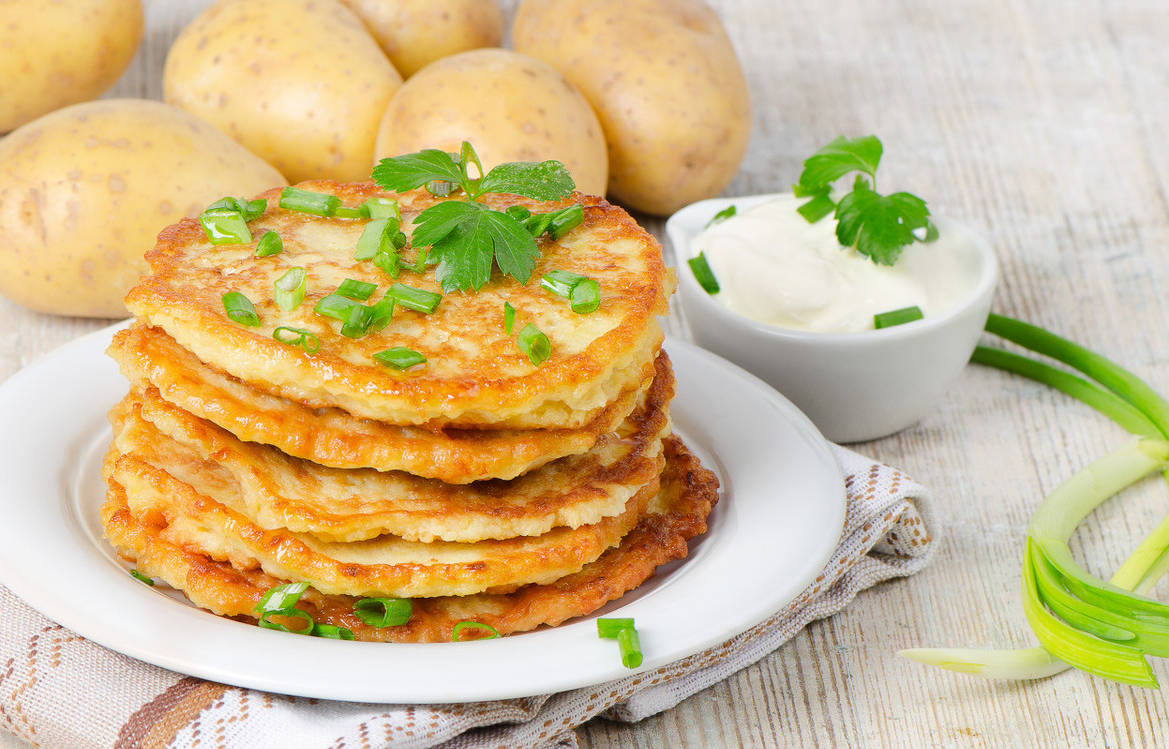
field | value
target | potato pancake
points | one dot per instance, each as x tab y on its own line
475	374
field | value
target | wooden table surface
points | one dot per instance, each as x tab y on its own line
1041	122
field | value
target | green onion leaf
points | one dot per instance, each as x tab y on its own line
896	317
565	220
419	264
382	208
610	628
630	646
224	226
240	309
297	337
345	211
538	223
290	288
357	321
335	306
585	297
377	237
141	578
518	212
703	274
410	297
380	315
307	201
332	632
508	317
281	596
289	613
399	357
721	216
249	209
535	344
269	244
384	612
390	262
456	632
353	289
561	282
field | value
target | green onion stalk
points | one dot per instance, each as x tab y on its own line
1103	628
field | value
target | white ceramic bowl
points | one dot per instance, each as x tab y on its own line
854	386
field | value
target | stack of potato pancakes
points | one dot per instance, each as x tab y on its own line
478	484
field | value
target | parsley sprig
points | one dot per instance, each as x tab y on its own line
878	226
466	238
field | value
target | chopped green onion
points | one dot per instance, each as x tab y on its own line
458	629
297	337
538	223
307	201
280	596
347	212
240	309
380	315
141	578
565	220
269	244
419	264
382	208
609	628
585	297
335	306
290	288
390	262
353	289
224	226
721	216
290	613
535	344
440	188
561	282
508	317
413	298
896	317
399	240
249	209
399	357
816	208
376	237
518	212
630	646
357	321
703	274
384	612
332	632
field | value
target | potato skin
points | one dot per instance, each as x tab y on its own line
53	54
85	190
677	121
511	107
415	33
300	83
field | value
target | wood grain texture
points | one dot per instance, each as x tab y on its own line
1040	122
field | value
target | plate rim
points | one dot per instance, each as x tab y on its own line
503	650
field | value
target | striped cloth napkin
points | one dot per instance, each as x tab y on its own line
59	690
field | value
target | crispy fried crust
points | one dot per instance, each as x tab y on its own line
475	374
279	492
688	493
152	361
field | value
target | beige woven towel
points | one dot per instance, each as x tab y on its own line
59	690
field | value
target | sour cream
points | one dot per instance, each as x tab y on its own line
775	267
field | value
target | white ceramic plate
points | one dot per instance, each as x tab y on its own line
780	516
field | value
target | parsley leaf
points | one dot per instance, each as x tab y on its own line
465	238
544	180
412	170
880	226
837	159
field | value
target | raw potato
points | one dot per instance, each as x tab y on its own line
53	54
300	83
415	33
666	85
509	106
85	190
